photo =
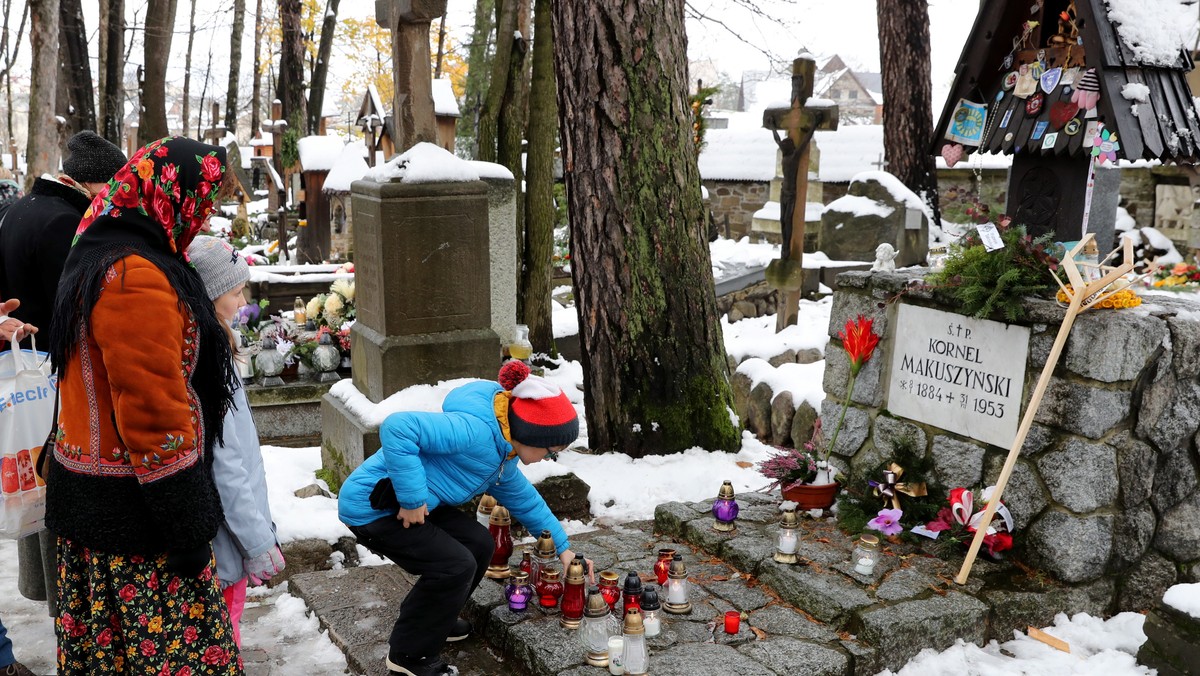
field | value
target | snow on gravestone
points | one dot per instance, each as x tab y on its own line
961	374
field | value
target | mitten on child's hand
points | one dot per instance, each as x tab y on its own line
190	561
264	566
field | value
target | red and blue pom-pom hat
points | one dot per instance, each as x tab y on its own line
539	413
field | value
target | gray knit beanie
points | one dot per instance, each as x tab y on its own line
92	158
221	266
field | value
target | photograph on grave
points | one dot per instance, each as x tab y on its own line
961	374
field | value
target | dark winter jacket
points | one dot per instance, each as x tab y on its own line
35	239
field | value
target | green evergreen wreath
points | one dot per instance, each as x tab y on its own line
858	504
989	283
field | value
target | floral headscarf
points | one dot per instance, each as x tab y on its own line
173	182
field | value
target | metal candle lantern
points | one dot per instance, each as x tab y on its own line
545	553
498	527
549	588
573	598
486	504
518	592
610	588
677	588
594	632
269	363
326	359
635	657
662	566
632	592
725	509
650	608
788	538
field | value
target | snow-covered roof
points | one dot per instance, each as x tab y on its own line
265	138
444	102
347	168
329	108
376	102
850	150
317	153
738	155
1153	31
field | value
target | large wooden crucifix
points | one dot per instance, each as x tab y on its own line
412	102
800	120
277	126
215	133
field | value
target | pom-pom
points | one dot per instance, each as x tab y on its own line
512	374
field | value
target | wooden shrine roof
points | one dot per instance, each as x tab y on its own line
1165	127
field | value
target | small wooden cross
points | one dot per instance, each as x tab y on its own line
277	127
215	133
801	120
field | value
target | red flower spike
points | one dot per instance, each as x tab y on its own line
859	340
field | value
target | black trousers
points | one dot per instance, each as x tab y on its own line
450	552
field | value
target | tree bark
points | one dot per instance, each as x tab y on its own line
256	76
514	112
112	70
235	66
535	288
489	115
76	72
290	90
478	68
187	76
160	24
320	73
655	373
42	150
908	93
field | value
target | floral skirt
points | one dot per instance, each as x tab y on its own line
129	615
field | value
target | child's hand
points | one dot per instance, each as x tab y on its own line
567	556
412	517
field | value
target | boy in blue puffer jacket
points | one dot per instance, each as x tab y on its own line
401	502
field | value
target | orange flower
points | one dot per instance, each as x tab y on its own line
859	341
145	168
1180	269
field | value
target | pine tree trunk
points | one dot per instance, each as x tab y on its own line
256	76
907	95
514	113
655	375
534	291
160	25
489	115
187	76
290	90
316	97
478	68
235	66
112	70
76	71
42	151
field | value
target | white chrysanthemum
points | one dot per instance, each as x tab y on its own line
344	288
313	308
334	305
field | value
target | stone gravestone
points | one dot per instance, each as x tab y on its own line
877	208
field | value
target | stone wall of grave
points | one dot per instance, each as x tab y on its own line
756	300
1106	484
738	200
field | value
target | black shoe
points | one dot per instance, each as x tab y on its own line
403	665
459	631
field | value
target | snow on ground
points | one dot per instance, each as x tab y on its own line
1184	598
756	337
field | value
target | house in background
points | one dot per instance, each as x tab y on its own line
858	95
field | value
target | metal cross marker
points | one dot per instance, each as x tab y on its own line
801	120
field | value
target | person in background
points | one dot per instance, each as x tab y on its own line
11	330
402	501
35	237
146	378
245	546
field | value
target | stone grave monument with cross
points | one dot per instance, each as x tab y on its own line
801	119
421	261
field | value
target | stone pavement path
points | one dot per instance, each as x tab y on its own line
817	617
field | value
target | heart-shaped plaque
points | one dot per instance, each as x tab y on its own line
1062	112
952	153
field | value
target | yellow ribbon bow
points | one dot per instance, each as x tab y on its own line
891	487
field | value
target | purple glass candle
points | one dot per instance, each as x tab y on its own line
725	508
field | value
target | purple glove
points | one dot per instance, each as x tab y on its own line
264	566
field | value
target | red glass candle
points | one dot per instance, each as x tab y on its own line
527	562
610	589
550	588
498	527
662	567
632	592
733	620
573	596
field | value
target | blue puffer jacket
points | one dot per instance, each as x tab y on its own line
448	458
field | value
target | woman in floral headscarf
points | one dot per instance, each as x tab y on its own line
145	379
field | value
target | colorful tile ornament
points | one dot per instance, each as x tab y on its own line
1049	141
1105	145
1033	105
966	126
1050	79
1039	128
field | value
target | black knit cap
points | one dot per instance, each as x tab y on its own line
93	159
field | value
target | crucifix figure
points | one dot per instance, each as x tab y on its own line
412	102
800	120
277	126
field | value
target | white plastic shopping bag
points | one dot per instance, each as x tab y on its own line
27	393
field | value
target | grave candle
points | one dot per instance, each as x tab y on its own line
677	588
632	592
549	589
788	539
545	554
609	589
518	592
662	566
498	528
486	504
634	657
527	561
725	509
594	632
865	554
733	620
616	648
650	606
572	600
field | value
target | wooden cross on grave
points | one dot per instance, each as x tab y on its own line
412	102
800	120
215	133
277	127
